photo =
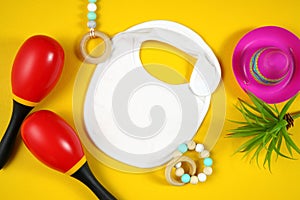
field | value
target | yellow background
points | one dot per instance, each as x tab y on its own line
220	23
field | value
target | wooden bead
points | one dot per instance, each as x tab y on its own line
204	154
194	180
176	154
208	171
191	145
179	172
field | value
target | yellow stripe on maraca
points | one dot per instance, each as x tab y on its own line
24	102
77	166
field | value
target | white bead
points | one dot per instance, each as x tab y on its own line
208	171
194	180
91	24
204	154
178	165
201	177
92	7
191	145
179	172
199	148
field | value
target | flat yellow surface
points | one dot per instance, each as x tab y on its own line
220	23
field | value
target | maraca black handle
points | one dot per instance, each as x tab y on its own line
19	113
85	175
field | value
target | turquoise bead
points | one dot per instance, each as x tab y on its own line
182	148
92	1
208	162
91	16
185	178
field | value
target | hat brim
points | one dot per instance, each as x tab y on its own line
268	36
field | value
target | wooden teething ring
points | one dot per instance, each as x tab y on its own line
192	169
190	176
91	59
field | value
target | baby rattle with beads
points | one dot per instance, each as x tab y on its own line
190	175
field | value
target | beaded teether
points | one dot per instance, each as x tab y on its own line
179	158
91	24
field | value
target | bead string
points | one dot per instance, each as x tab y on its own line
91	24
92	16
179	158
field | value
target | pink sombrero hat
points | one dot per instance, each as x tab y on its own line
266	62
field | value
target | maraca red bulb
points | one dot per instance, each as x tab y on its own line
52	140
37	68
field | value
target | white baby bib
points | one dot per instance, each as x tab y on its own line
137	119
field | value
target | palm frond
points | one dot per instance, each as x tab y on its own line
266	127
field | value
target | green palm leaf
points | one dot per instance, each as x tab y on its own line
266	127
286	107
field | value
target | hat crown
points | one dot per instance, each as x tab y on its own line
270	65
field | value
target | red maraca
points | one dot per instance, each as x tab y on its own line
36	69
56	144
